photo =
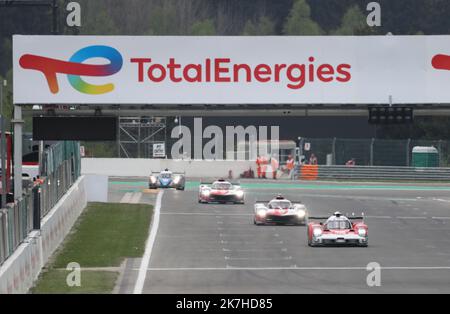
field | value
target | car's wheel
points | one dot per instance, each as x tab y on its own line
312	244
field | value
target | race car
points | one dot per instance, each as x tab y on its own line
280	211
220	191
166	179
338	230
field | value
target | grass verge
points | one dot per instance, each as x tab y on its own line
54	282
104	235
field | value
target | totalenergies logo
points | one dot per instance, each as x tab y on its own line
75	68
441	62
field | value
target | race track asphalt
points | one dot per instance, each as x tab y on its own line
212	248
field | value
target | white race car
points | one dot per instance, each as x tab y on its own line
280	211
167	179
338	230
220	191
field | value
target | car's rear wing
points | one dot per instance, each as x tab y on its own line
173	173
318	218
266	202
210	183
325	218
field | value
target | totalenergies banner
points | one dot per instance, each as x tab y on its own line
231	70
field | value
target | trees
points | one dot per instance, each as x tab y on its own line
203	28
353	23
299	21
163	20
264	26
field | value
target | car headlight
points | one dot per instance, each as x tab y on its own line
317	232
261	213
301	213
177	180
205	193
240	193
362	232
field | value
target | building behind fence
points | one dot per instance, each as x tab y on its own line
370	152
61	168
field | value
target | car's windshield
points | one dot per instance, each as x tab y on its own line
222	186
165	175
338	225
280	204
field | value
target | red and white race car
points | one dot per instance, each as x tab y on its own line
220	191
338	230
280	211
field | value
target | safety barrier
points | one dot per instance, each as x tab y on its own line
143	167
22	268
315	172
62	168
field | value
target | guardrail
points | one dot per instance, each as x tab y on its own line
62	168
318	172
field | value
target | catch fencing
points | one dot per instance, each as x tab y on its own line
319	172
370	152
61	168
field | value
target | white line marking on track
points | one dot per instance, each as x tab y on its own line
205	214
418	218
293	268
126	198
149	246
441	218
136	198
223	235
441	200
230	258
255	250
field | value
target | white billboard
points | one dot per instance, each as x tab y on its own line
231	70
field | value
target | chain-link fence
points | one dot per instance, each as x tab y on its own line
61	168
370	152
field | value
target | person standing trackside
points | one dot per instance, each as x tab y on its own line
351	163
313	160
264	162
290	166
258	166
275	165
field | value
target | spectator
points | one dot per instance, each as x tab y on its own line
290	166
258	166
313	160
351	162
275	165
264	163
